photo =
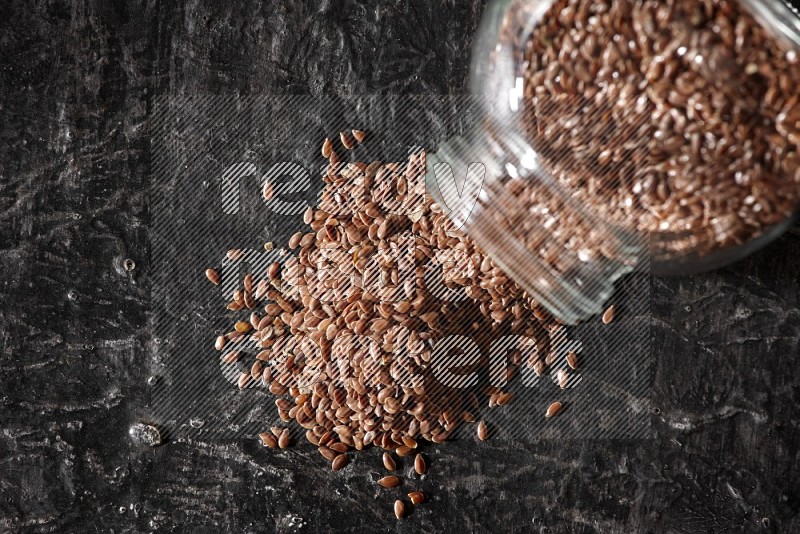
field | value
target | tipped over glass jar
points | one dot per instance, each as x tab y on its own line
623	135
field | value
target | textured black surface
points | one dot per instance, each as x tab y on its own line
77	85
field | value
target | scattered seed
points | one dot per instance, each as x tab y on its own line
230	357
234	254
572	360
219	344
213	276
409	441
327	453
242	326
608	315
339	462
359	136
419	465
244	379
404	451
327	148
283	440
503	399
416	497
388	462
563	378
268	440
346	141
390	481
483	432
553	409
399	509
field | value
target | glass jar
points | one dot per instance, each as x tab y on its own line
623	135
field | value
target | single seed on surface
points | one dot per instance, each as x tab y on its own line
230	357
390	481
219	344
572	360
416	497
234	254
399	509
563	378
359	136
269	245
483	432
553	409
388	462
503	398
404	451
327	453
242	326
327	147
268	440
346	141
213	276
608	315
295	240
244	378
419	465
339	462
283	440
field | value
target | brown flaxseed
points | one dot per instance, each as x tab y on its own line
327	453
553	409
283	440
327	148
572	360
347	143
483	431
359	136
244	380
230	357
305	302
419	465
339	462
390	481
399	509
388	462
608	315
268	440
404	451
213	276
416	497
563	378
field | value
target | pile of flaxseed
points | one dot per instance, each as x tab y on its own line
343	331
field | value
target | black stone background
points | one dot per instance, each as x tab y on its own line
77	83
